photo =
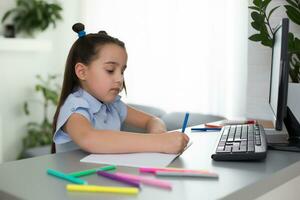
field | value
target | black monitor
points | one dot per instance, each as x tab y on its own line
279	75
278	96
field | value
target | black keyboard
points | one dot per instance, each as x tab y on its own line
241	142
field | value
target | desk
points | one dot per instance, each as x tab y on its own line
28	179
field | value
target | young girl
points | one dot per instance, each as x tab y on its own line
90	113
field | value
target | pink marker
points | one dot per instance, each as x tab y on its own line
146	180
154	170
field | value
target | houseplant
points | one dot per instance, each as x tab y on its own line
31	16
40	133
265	32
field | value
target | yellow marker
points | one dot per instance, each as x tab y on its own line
96	188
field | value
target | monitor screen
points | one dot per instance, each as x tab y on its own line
279	74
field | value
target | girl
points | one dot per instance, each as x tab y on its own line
90	113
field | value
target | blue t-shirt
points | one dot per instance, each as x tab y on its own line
101	116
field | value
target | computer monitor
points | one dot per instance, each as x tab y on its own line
279	75
278	96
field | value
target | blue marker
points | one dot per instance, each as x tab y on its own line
186	118
205	129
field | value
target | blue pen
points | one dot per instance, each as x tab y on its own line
186	118
205	129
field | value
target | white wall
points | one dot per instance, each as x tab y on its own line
19	68
259	66
172	47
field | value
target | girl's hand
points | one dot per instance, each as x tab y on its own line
173	142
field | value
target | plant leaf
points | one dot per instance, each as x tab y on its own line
254	8
293	14
258	3
255	37
270	13
25	108
294	4
265	4
9	13
255	25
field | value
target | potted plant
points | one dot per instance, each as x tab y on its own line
31	16
40	133
265	32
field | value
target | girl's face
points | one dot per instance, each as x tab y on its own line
105	75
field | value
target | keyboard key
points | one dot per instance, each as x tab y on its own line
251	136
236	146
226	131
228	149
250	148
220	149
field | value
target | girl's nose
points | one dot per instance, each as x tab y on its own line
119	77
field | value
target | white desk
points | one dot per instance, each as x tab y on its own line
28	178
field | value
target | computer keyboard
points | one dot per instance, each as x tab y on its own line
241	142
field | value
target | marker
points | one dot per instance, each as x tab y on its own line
213	126
92	171
119	178
237	122
169	169
186	174
186	118
206	129
96	188
65	176
147	181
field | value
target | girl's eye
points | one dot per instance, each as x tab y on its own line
110	71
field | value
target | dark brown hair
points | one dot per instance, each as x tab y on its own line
84	50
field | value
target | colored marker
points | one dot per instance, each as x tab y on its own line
186	174
213	126
65	176
155	170
106	189
147	181
186	118
119	178
92	171
237	122
206	129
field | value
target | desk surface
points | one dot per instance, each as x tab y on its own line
28	178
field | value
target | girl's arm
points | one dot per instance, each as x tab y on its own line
144	120
106	141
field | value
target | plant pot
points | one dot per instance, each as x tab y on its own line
37	151
9	31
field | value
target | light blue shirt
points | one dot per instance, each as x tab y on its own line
101	116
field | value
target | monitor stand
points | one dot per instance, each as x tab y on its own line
288	139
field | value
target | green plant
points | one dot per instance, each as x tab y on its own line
40	133
261	23
30	16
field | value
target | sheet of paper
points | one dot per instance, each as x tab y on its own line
133	159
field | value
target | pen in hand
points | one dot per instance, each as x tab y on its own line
186	118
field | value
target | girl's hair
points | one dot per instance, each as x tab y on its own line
84	50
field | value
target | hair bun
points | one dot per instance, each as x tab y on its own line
102	32
78	27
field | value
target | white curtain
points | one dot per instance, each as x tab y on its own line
184	55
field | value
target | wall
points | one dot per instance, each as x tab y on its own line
19	68
171	63
259	67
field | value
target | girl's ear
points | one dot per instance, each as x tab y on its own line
81	71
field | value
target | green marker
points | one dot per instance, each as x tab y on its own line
92	171
65	176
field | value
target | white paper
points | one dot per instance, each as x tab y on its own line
133	159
